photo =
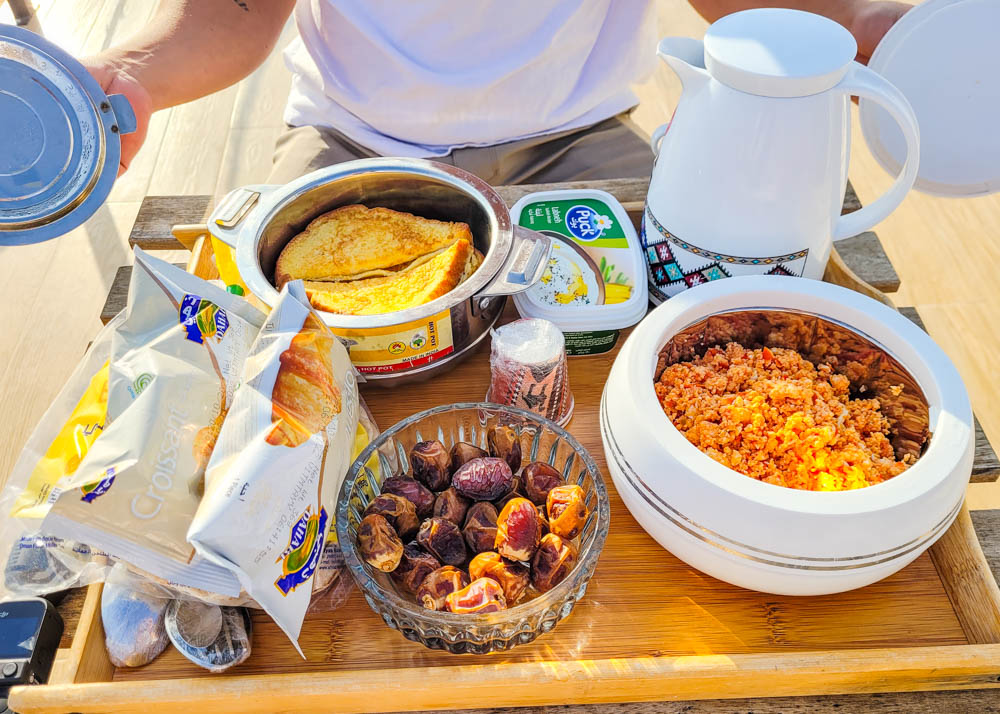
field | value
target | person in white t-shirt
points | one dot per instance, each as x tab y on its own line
516	91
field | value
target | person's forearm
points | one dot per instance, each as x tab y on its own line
192	48
842	11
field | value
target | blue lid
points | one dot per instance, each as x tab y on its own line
59	139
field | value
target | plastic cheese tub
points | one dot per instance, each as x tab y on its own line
595	284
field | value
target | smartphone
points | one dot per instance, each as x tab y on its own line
30	631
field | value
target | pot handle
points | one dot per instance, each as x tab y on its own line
224	223
124	115
870	85
528	257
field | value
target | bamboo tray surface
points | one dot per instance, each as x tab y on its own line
642	601
650	627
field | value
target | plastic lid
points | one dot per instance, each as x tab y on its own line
944	56
235	289
778	53
60	144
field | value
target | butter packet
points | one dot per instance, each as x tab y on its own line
175	360
284	449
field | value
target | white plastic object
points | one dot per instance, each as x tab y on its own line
752	170
766	537
583	318
775	52
943	56
865	83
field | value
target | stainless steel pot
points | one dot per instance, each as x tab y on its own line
391	348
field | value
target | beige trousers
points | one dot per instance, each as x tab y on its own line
613	148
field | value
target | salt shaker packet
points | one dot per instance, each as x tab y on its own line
284	448
176	357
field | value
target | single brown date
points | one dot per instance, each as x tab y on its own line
518	530
514	578
504	444
442	539
484	479
413	491
567	509
429	462
539	478
452	505
378	543
438	585
462	453
553	561
480	529
401	514
483	595
414	566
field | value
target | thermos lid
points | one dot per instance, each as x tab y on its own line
943	56
59	139
775	52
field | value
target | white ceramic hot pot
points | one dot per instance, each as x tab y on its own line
771	538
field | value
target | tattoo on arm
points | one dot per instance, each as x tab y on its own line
243	5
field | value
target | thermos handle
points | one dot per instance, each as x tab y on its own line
870	85
656	138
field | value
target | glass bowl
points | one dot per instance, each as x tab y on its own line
541	440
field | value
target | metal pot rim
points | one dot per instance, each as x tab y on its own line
274	198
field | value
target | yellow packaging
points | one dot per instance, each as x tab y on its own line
383	350
71	444
225	263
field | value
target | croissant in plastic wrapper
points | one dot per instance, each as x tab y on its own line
305	396
284	448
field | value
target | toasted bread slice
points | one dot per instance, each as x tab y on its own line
350	242
416	286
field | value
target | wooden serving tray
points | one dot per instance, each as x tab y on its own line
650	627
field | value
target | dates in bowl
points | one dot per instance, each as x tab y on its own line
473	527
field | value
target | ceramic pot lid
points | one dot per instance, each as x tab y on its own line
943	55
59	139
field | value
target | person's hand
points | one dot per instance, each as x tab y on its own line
114	79
871	22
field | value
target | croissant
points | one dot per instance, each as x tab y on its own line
204	440
305	396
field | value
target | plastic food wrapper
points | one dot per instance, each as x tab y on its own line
132	612
175	360
188	620
274	476
37	563
528	369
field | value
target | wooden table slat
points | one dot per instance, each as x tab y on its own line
118	293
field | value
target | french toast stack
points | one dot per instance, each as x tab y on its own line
357	260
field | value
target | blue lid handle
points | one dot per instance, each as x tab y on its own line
124	116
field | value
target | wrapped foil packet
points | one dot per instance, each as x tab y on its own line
132	613
212	636
175	360
273	478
